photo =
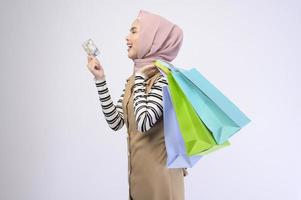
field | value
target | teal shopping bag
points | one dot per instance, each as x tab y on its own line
218	113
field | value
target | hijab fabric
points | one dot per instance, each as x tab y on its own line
158	39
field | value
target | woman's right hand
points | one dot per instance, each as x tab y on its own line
95	67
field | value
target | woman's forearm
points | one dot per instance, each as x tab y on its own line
113	113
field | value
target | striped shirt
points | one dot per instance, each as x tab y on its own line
148	108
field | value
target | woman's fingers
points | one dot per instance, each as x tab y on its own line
92	60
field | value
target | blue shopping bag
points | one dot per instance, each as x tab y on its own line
174	143
217	112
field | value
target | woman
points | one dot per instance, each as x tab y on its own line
140	107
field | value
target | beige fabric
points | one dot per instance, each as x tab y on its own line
148	176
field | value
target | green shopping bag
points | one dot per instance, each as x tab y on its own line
197	137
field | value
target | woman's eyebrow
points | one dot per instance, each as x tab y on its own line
134	27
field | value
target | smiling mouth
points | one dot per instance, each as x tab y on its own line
129	46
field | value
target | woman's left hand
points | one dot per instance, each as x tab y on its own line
149	70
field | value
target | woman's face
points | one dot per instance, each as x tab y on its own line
132	39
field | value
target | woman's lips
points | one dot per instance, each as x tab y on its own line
129	46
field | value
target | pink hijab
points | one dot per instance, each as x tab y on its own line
160	39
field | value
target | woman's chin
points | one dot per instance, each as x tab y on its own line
131	56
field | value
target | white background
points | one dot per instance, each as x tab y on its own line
54	141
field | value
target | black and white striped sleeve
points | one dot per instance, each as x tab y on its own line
113	113
148	108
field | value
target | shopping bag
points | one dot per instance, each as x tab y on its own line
197	138
217	112
174	143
